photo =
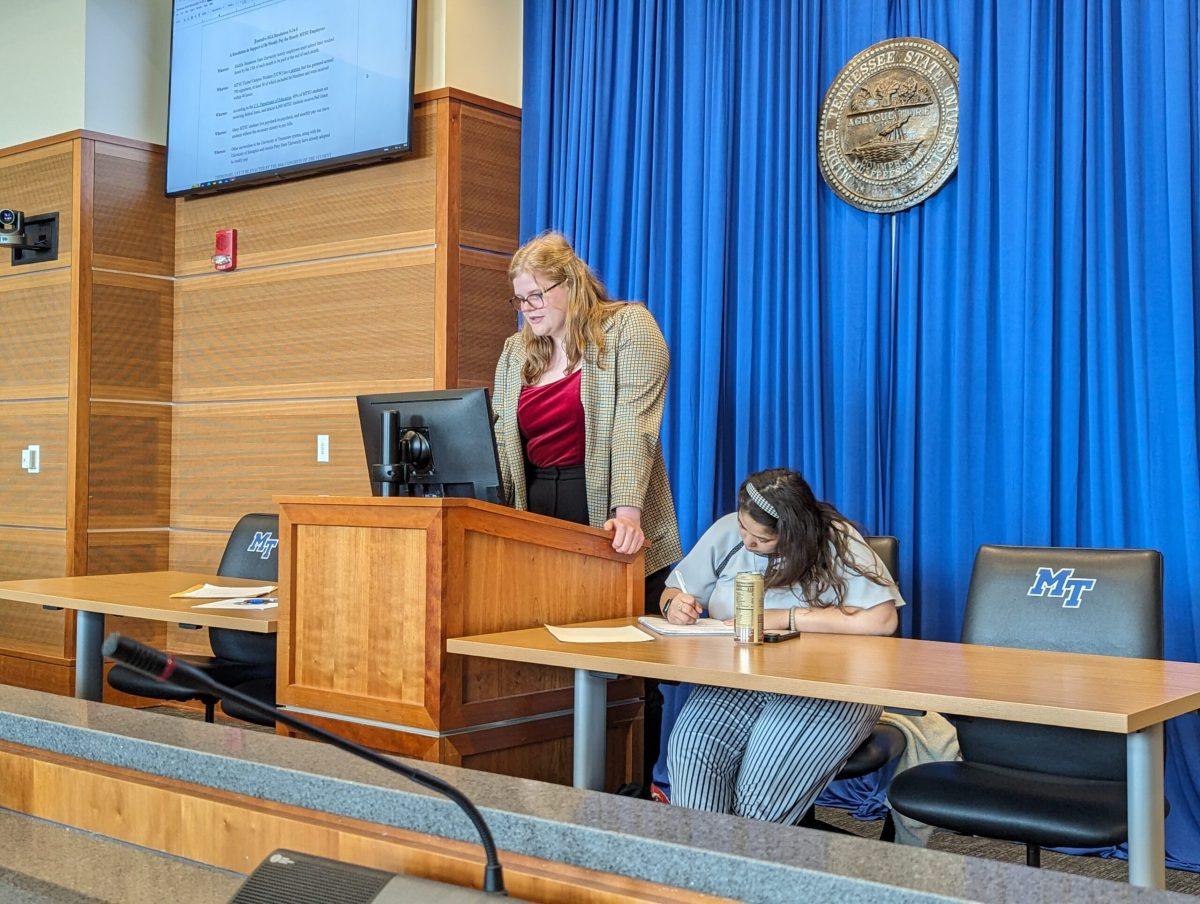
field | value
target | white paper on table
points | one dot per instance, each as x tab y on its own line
217	592
625	634
242	603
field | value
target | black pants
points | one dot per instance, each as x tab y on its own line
558	492
562	493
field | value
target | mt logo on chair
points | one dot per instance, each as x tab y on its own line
1061	584
264	542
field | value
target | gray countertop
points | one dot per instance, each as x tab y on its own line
720	855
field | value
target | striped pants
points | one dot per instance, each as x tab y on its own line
759	755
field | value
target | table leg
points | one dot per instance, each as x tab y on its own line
89	662
591	705
1144	774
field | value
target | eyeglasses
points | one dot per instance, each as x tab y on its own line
535	300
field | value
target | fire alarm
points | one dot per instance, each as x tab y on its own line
225	255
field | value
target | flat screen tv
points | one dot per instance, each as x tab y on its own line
263	90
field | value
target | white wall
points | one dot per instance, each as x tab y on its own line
49	34
483	48
126	68
430	64
108	61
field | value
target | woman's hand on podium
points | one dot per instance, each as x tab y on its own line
627	524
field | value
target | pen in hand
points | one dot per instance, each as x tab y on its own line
688	609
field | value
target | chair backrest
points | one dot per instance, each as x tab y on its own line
888	550
251	552
252	549
1106	601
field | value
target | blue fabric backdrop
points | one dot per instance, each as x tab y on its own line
1013	361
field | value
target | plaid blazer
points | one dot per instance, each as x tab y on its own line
622	392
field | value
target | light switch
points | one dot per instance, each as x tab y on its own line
31	459
322	447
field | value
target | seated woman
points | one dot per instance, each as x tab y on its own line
762	755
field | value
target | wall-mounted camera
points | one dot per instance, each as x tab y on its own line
32	239
12	227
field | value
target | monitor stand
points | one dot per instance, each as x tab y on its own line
403	455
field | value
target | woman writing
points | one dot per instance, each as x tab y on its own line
762	755
578	401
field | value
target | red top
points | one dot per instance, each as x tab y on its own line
551	421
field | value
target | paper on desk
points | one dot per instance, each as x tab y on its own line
626	634
241	603
217	592
699	628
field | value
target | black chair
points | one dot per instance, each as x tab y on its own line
261	689
886	742
241	656
1039	785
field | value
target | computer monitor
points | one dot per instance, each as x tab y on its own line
435	443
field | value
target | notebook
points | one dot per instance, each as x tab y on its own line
702	628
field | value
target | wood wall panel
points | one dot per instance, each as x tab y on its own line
133	221
334	328
131	337
122	552
129	472
485	319
199	550
38	675
33	500
31	554
230	459
490	208
357	211
38	181
35	342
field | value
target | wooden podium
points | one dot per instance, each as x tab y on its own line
371	588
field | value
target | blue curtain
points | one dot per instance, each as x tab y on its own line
1013	361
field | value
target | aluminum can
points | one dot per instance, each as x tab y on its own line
748	590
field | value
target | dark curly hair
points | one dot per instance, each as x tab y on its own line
814	546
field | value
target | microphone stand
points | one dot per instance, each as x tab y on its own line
160	665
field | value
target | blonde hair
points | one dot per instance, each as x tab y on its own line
551	256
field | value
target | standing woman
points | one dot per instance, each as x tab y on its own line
578	402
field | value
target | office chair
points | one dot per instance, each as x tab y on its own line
1034	784
241	656
885	742
262	689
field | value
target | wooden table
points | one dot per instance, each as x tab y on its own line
142	595
1104	693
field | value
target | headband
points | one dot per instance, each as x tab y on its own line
761	501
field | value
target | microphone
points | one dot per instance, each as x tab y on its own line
160	665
